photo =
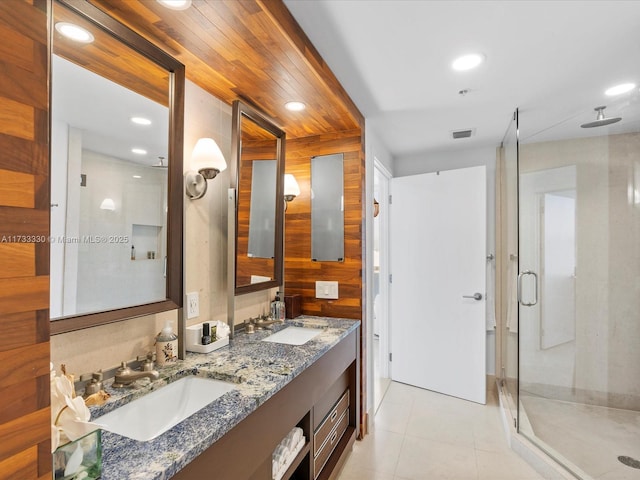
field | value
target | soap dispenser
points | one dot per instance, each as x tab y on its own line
166	345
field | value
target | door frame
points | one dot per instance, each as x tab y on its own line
385	270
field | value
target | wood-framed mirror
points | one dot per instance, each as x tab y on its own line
257	175
117	121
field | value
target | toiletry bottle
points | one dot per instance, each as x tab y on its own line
279	308
166	346
133	252
206	334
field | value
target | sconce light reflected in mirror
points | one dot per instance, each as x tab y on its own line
108	204
376	208
291	189
207	161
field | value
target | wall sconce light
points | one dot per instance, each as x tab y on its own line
291	189
207	161
376	208
108	204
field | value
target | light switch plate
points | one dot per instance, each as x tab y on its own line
327	290
193	305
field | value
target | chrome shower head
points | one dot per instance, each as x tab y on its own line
601	120
160	164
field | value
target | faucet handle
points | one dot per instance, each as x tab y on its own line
124	368
148	365
95	385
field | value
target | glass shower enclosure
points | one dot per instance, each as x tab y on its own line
570	253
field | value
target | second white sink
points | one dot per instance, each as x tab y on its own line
293	335
151	415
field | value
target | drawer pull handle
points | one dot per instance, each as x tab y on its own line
334	437
334	414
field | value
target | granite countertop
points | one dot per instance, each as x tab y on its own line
259	370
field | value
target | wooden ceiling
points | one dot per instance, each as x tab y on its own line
109	58
252	50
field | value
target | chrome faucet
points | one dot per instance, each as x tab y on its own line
125	376
264	321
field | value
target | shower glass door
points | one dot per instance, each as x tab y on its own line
507	266
579	295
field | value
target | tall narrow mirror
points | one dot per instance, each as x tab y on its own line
327	208
258	150
116	155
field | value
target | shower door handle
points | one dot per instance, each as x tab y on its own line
535	288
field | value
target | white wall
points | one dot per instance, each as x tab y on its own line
450	160
59	148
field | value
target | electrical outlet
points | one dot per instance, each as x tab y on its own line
193	305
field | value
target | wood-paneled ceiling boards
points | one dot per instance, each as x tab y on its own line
248	49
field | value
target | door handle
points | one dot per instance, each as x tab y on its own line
535	285
475	296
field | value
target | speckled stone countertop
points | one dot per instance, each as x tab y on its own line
259	370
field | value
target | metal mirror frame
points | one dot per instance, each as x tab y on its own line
174	299
242	109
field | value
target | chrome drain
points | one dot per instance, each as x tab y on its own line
629	462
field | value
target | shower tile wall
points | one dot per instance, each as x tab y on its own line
602	365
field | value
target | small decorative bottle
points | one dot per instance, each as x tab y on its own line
277	308
166	346
206	334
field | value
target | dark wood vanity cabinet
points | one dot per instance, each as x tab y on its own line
322	400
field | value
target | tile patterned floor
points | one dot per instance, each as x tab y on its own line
422	435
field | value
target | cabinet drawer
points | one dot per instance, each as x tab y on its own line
324	405
332	440
325	428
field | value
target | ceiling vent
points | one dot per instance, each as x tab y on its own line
456	134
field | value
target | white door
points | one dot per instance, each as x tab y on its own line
438	258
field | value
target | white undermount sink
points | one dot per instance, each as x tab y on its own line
293	335
151	415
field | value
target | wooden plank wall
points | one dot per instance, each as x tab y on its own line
300	272
24	250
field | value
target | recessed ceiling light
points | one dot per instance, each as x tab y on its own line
74	32
175	4
467	62
137	176
141	121
620	89
295	106
139	151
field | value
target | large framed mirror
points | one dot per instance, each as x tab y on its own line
257	176
117	104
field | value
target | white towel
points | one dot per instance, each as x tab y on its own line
289	460
285	453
